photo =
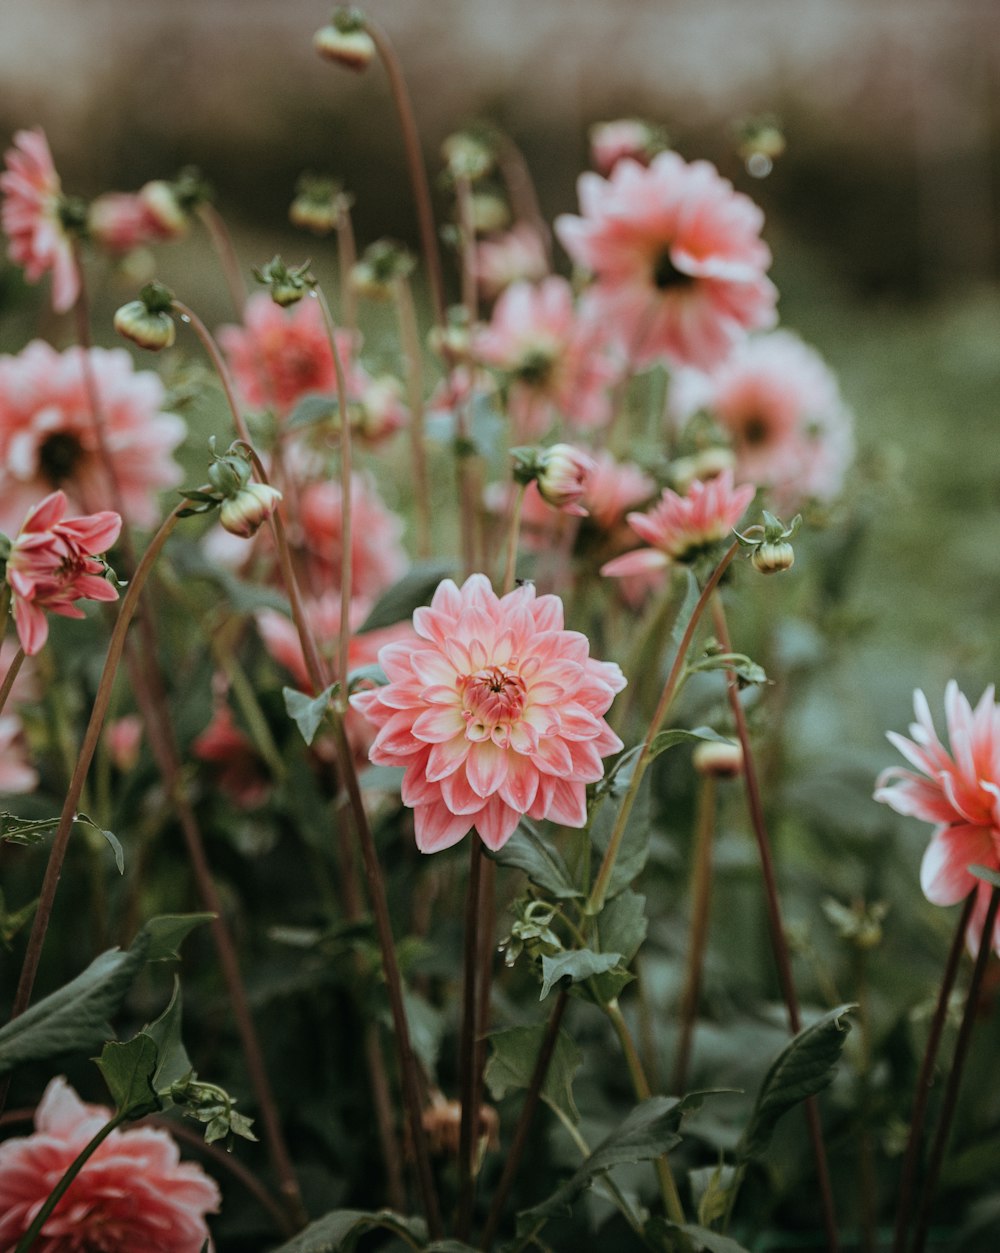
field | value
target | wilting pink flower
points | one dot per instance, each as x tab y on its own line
48	439
556	357
240	771
31	218
780	404
498	715
16	773
52	565
625	137
377	556
563	473
677	257
123	739
134	1195
518	255
679	528
959	792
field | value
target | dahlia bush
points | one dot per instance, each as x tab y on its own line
396	657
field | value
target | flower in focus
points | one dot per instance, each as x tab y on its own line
681	528
134	1195
16	773
959	792
562	473
518	255
48	440
377	556
32	217
625	137
239	769
677	258
498	714
779	402
52	564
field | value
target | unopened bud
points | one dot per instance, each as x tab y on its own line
318	204
147	321
719	761
345	40
383	264
244	513
229	475
626	137
468	155
163	209
452	341
707	463
562	474
490	212
287	286
771	558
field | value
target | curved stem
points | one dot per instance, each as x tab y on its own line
513	535
188	315
410	337
347	256
222	242
701	897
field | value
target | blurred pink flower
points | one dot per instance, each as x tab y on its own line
613	488
677	257
123	739
498	715
16	773
31	217
679	528
134	1195
780	403
48	440
957	791
625	137
118	221
518	255
557	357
377	556
52	565
240	771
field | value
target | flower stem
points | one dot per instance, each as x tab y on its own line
701	896
601	883
513	535
410	337
950	1098
347	256
469	1126
188	315
8	683
779	943
222	242
926	1080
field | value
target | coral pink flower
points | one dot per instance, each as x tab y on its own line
16	773
31	217
241	773
123	739
557	358
377	556
52	565
613	488
498	715
134	1195
48	440
677	256
515	256
957	791
780	404
680	528
118	221
625	137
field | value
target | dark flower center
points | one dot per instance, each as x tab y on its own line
535	368
755	430
666	275
59	456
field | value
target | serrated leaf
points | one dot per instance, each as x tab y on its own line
668	739
576	965
25	831
512	1063
167	932
338	1231
307	712
111	838
634	849
173	1063
543	863
128	1070
803	1067
414	589
987	875
661	1232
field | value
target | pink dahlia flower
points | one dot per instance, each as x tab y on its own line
16	772
677	258
613	488
31	219
555	356
377	556
123	741
240	771
48	440
959	792
52	564
680	528
497	714
515	256
134	1195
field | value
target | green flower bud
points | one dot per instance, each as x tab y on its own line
147	321
244	513
771	557
287	286
345	40
719	761
229	475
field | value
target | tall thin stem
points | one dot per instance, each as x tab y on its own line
950	1098
410	337
779	943
469	1126
926	1080
701	896
222	242
188	315
10	677
513	535
347	255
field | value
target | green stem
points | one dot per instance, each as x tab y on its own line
188	315
59	1191
347	255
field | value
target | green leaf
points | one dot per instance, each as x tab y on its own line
692	594
245	598
543	864
426	1028
26	831
577	964
512	1063
634	849
111	838
622	926
710	1187
987	875
128	1071
173	1063
414	589
366	674
312	410
661	1232
746	671
12	923
167	932
307	712
803	1067
338	1231
667	739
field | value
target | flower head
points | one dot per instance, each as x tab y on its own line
958	790
246	512
498	712
516	255
677	258
32	217
377	556
680	528
133	1195
625	137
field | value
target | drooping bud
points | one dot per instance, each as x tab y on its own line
163	209
345	40
561	473
469	154
229	474
452	341
773	558
718	761
244	513
147	321
706	463
287	286
770	551
318	204
490	212
383	264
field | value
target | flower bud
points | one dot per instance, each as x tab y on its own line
770	558
562	474
229	475
345	40
147	321
318	204
706	463
626	137
452	341
244	513
382	264
287	286
163	209
468	154
719	761
490	212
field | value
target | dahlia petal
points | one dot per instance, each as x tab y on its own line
520	787
458	794
486	767
496	823
440	723
444	759
567	803
944	875
553	757
436	828
641	561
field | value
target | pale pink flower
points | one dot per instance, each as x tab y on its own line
240	771
52	564
16	772
118	222
31	217
677	258
499	714
48	439
518	255
680	528
377	556
123	739
959	792
625	137
134	1195
779	402
613	488
378	409
557	357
